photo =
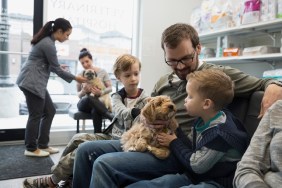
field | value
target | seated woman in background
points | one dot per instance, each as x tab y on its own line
261	165
89	103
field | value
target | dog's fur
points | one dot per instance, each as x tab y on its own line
91	76
142	136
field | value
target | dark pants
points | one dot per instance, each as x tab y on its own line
94	106
41	114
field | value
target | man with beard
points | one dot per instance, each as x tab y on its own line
104	164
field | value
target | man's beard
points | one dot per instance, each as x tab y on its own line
182	74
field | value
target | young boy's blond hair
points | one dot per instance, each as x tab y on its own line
123	63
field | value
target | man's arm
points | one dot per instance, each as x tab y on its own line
272	93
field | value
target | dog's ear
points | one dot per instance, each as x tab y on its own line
149	99
83	73
148	110
95	74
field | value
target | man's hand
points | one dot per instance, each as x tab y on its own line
272	93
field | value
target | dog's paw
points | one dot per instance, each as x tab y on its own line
160	153
132	148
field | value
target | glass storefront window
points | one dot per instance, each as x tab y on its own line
16	30
104	27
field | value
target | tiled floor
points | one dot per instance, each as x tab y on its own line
17	183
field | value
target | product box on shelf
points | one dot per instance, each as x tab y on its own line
259	50
227	52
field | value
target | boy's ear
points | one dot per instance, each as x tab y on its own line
207	104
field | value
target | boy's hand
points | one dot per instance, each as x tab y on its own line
165	139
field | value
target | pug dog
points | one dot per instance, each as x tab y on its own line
92	78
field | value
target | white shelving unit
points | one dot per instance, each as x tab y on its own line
266	58
272	29
267	26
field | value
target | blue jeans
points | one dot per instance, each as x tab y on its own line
102	163
172	181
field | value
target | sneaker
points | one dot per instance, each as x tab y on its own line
36	153
51	150
41	182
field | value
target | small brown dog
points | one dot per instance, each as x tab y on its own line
142	136
91	76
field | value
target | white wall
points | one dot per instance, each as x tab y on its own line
155	16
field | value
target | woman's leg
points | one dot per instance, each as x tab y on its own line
101	108
84	105
124	168
98	110
85	156
35	107
97	121
87	103
46	122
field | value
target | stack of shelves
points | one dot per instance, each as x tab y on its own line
273	29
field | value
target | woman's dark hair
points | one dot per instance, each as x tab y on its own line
51	27
84	52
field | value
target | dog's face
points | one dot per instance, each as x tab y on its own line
90	74
159	108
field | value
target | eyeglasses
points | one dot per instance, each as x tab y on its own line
186	60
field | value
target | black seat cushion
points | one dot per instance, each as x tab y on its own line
77	115
251	121
247	110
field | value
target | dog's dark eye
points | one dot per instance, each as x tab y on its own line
158	103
